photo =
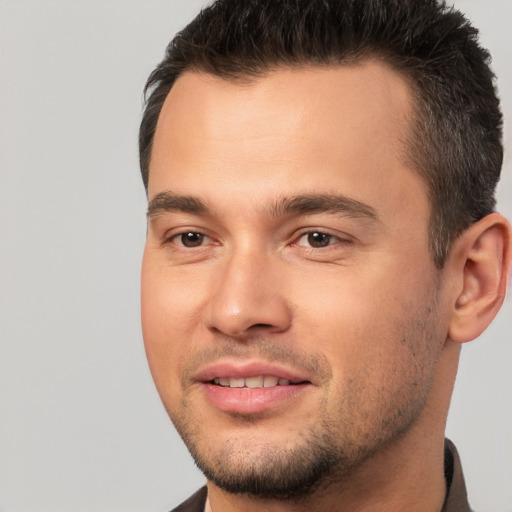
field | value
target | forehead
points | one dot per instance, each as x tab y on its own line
299	101
309	128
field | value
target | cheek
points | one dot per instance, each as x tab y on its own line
171	300
366	323
169	321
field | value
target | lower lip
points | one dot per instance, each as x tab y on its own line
251	400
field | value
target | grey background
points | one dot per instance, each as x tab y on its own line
81	427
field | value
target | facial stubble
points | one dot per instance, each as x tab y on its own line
329	451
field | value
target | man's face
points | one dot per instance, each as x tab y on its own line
291	309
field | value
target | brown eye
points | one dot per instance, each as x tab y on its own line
191	239
317	239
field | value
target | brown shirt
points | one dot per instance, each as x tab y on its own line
456	497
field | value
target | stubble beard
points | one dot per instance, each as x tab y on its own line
326	452
269	472
322	456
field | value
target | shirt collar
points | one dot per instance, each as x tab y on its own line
456	499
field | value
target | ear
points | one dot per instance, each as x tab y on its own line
481	259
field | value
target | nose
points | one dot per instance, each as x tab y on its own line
248	298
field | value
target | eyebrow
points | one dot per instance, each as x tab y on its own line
306	204
169	202
323	203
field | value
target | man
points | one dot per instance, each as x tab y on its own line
321	242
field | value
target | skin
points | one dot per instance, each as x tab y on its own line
367	319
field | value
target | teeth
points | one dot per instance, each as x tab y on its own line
236	383
254	382
259	381
270	381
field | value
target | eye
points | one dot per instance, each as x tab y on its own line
190	239
316	239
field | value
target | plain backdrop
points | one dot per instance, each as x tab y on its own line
81	426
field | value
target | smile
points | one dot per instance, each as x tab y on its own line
249	387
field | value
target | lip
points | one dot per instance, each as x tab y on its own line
251	400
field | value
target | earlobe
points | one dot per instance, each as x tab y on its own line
483	253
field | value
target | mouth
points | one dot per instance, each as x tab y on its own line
252	388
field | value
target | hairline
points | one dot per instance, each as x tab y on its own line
409	144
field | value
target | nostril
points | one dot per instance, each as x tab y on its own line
239	315
260	326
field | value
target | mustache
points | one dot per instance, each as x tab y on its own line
260	348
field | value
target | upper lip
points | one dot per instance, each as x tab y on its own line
245	369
